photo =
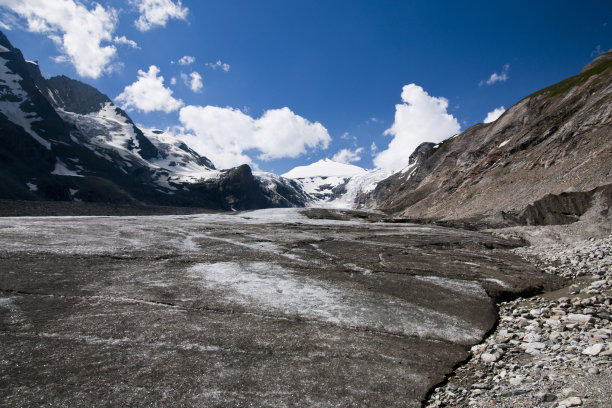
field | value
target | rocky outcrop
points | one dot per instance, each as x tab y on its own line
74	96
554	141
565	208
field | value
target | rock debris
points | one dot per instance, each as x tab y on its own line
553	350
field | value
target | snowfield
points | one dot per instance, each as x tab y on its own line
335	185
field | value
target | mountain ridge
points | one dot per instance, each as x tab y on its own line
61	139
65	140
553	141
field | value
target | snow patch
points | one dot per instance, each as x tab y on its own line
357	268
359	184
4	49
472	289
183	165
62	170
32	187
505	142
408	168
91	339
497	282
14	311
276	289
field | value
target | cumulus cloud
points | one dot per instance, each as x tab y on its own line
216	65
227	135
193	81
496	113
186	60
158	12
148	94
495	77
123	40
77	31
348	156
420	118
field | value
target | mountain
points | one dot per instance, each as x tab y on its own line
334	184
61	139
548	159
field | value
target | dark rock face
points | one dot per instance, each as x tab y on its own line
64	140
75	96
565	208
553	141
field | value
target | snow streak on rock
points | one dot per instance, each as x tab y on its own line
12	98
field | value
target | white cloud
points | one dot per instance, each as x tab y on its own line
7	20
173	81
348	156
158	12
77	30
348	136
60	59
125	41
215	65
148	94
193	81
186	60
492	116
225	135
373	148
421	118
597	52
495	77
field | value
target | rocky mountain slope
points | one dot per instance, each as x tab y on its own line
334	184
61	139
546	160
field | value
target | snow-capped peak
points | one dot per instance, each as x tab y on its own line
333	184
325	168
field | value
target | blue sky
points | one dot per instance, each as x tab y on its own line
339	67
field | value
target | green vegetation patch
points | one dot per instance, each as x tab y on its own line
567	84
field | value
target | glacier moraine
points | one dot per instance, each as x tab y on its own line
265	308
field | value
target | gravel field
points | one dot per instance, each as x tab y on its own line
553	350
